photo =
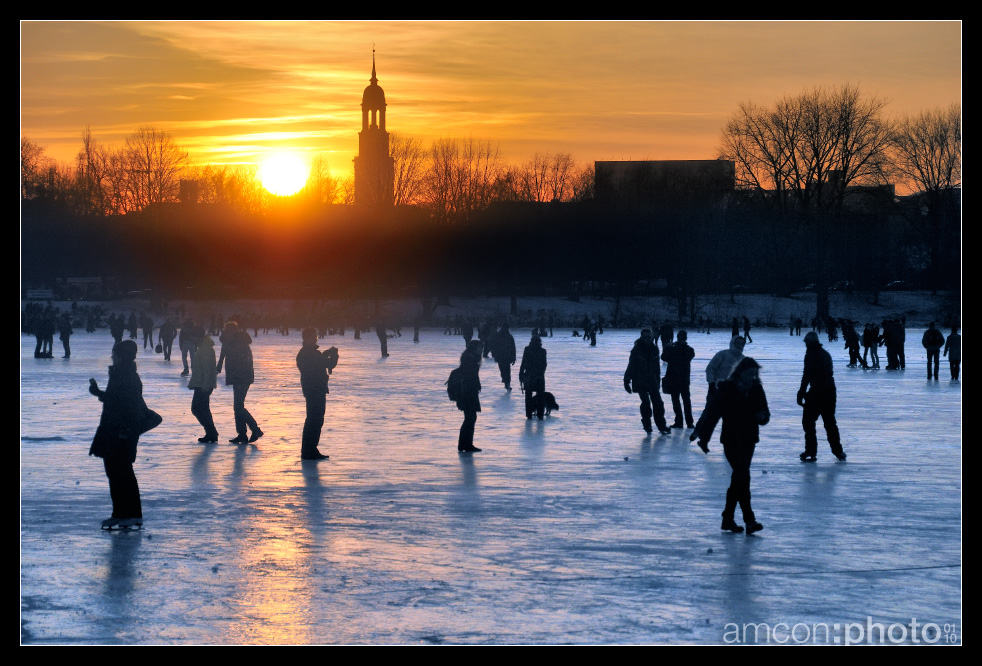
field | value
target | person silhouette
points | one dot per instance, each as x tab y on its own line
314	366
954	345
468	400
932	342
679	357
532	376
116	438
643	377
817	396
204	380
504	354
742	404
236	355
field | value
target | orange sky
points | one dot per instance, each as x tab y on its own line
230	91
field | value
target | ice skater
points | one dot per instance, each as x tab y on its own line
932	341
742	404
679	357
383	339
314	366
954	345
122	421
239	374
187	340
204	380
532	376
468	401
165	337
817	396
65	333
504	354
718	370
643	377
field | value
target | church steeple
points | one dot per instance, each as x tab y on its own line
374	174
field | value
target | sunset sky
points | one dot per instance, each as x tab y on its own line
230	91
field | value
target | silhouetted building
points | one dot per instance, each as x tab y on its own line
658	182
373	165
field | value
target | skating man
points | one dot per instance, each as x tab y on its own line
468	401
314	366
954	345
742	404
643	377
503	352
236	356
532	375
817	396
679	357
383	338
932	341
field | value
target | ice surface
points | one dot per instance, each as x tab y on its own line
577	529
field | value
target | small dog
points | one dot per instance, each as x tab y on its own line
546	401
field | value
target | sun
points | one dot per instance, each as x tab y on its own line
283	174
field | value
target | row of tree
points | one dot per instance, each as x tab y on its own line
453	178
806	154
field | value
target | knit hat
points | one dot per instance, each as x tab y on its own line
125	351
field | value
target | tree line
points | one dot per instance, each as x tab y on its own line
814	203
452	179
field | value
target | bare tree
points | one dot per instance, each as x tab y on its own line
927	149
927	152
34	167
115	175
804	151
561	171
461	178
409	164
533	178
155	163
582	183
322	187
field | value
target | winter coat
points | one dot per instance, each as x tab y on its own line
470	382
167	332
933	340
503	347
742	415
953	345
644	368
722	364
123	413
532	372
203	369
679	358
313	371
818	371
237	357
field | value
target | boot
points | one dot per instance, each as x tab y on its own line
730	524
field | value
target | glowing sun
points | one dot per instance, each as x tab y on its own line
283	174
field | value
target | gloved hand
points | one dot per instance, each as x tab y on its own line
627	387
801	399
94	388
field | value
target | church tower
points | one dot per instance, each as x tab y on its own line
373	165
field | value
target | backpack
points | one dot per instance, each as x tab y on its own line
453	385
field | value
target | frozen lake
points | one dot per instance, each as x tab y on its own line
577	529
